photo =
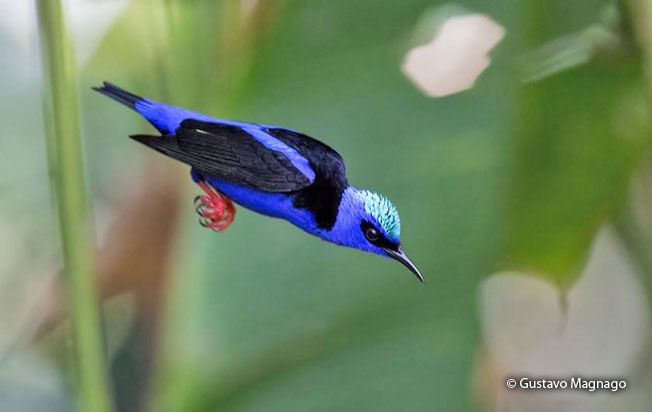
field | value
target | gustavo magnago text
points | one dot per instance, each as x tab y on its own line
583	384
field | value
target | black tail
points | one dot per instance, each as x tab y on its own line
118	94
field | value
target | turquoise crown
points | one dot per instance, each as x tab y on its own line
384	212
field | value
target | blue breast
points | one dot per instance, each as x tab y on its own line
279	205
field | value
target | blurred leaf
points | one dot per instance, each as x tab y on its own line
578	137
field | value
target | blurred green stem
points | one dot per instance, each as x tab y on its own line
74	219
629	228
641	18
634	238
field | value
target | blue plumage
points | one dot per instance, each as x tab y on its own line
273	171
168	118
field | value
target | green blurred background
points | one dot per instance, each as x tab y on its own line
547	152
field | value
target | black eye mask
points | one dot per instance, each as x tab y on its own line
375	236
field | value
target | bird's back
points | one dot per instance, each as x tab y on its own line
323	196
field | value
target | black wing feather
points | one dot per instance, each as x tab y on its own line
323	196
230	154
233	155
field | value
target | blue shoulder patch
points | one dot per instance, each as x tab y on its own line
272	143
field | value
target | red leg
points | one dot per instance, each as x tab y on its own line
216	210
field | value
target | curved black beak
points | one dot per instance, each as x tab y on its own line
400	255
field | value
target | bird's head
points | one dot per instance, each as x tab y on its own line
370	222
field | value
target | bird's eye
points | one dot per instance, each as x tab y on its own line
372	234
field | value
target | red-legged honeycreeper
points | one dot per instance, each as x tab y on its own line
271	170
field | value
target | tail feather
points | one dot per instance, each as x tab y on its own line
166	144
147	108
118	94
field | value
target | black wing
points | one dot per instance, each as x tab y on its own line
230	154
323	196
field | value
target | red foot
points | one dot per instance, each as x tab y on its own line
216	210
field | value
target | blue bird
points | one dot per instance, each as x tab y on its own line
271	170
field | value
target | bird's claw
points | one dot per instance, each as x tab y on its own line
216	211
204	221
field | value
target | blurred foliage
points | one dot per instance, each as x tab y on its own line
578	137
505	175
502	175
